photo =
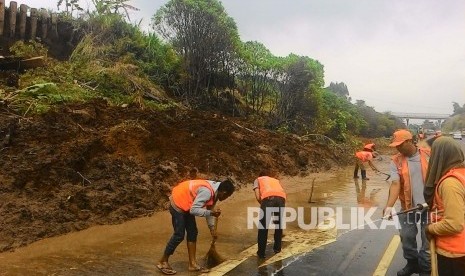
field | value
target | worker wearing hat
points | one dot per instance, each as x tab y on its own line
363	158
408	174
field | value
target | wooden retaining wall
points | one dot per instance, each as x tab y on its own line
26	23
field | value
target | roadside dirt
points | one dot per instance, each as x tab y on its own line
88	164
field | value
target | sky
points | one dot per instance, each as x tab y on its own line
405	56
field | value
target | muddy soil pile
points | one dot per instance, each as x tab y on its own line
89	164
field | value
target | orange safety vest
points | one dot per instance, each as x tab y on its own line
183	194
451	243
364	156
270	187
405	194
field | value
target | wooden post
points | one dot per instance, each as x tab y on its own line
2	16
22	21
311	192
12	18
44	23
34	17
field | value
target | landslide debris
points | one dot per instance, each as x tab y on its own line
87	164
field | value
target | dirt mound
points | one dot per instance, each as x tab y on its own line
89	164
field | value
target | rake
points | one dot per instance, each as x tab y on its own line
388	175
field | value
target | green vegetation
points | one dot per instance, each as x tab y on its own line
195	58
457	121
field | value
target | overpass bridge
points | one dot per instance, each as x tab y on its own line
421	116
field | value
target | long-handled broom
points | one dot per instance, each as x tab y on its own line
434	260
212	258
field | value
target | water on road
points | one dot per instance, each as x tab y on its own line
133	248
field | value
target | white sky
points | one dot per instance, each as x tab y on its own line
396	55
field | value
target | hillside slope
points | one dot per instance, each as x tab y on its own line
86	164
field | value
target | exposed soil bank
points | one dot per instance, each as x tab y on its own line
89	164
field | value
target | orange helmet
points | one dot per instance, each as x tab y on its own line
370	146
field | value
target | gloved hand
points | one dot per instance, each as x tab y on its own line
388	212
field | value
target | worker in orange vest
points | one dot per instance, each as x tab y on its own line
363	158
408	173
446	174
272	198
189	199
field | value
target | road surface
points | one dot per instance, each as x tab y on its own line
133	248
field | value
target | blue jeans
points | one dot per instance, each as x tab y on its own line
183	223
408	237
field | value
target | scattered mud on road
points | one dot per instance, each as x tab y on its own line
133	247
93	164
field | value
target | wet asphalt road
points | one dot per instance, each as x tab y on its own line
132	248
358	252
354	253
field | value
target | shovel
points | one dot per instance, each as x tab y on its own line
212	258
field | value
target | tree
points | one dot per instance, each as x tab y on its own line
103	7
341	118
299	96
293	90
256	76
378	124
339	89
458	109
69	6
204	36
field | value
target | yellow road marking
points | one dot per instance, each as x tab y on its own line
387	257
299	242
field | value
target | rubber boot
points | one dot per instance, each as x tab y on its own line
364	175
356	171
410	268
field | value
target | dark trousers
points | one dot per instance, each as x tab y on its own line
183	224
408	236
278	203
359	165
451	266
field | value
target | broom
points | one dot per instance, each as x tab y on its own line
212	258
434	260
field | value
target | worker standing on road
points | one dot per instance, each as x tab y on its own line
408	174
189	199
272	198
363	158
446	174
